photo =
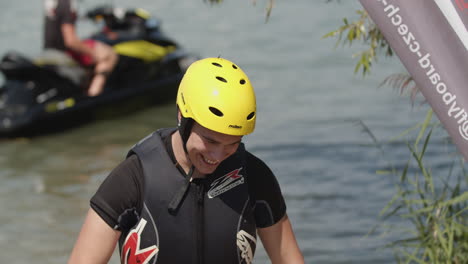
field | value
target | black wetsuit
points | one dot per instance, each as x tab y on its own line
165	218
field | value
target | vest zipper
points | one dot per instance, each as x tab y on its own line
200	223
180	195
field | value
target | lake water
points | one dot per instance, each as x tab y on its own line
308	103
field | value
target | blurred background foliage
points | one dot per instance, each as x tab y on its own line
432	207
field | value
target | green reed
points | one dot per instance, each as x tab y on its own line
431	209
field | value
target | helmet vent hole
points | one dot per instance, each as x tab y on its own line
183	98
217	64
234	66
216	111
251	115
242	81
221	79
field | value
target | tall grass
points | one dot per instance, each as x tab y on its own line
432	210
431	207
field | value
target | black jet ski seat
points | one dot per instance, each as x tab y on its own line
17	66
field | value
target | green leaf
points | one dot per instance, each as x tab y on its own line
330	34
423	128
351	35
358	65
383	172
413	257
459	199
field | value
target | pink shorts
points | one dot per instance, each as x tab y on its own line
84	59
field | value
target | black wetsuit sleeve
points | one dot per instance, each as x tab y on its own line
270	206
118	199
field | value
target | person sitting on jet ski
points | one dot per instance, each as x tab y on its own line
60	33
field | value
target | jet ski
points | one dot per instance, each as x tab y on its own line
45	93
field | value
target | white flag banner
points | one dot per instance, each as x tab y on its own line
431	39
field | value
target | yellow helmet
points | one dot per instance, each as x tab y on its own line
218	95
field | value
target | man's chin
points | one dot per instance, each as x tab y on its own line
207	169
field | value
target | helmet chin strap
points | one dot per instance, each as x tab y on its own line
185	128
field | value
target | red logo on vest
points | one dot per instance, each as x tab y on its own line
131	252
234	174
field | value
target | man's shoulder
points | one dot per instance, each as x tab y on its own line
256	164
129	165
155	137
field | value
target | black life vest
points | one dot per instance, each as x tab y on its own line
212	222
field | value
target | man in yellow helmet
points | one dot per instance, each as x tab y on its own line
193	194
